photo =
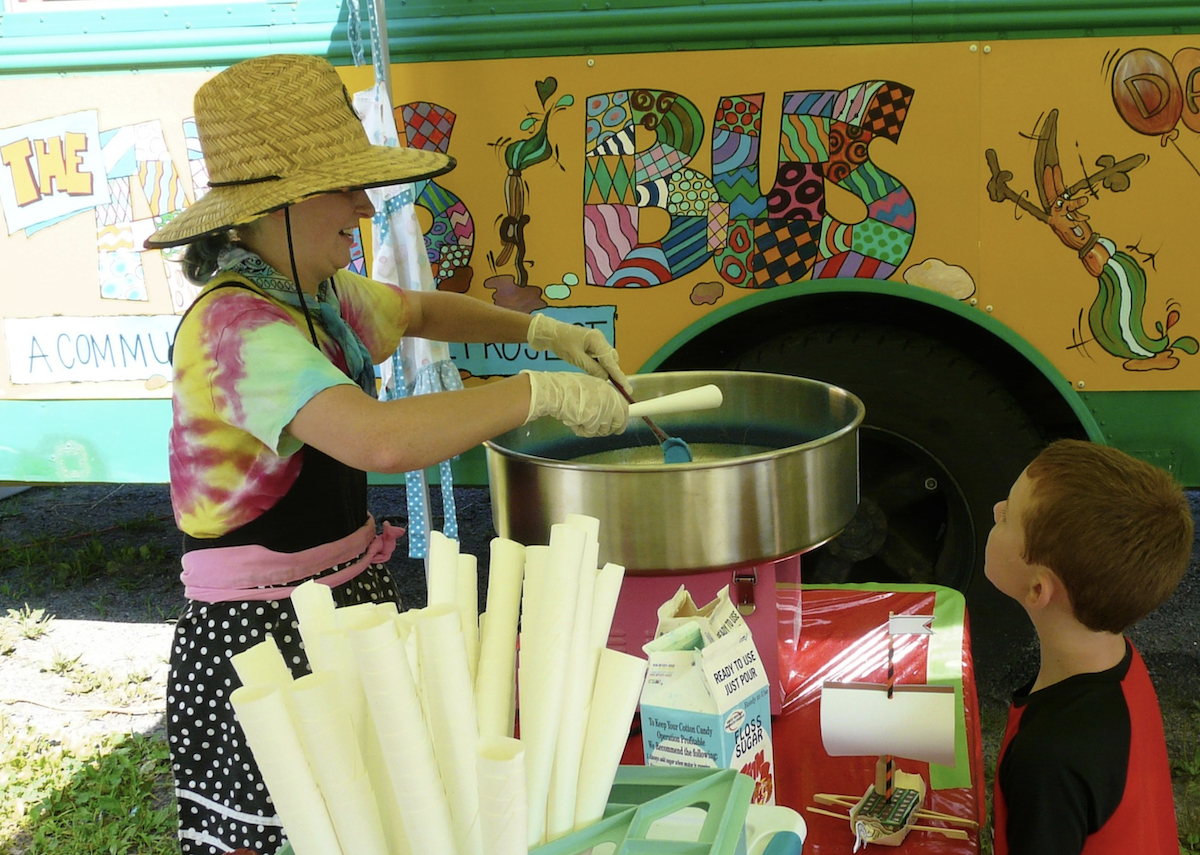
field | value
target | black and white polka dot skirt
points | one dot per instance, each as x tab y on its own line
223	803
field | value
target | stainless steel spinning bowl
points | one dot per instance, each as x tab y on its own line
775	474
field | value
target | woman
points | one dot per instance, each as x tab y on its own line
275	416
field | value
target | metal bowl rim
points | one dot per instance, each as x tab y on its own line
745	460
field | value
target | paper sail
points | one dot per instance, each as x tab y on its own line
917	722
910	625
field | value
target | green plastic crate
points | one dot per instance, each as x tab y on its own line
641	795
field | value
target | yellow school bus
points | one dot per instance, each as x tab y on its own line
901	197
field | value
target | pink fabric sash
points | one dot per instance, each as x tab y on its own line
232	573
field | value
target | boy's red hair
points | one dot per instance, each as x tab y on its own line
1116	530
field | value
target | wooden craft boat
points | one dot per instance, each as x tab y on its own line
913	721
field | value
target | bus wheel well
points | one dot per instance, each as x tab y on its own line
723	343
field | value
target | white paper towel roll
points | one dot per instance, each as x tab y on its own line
276	747
614	701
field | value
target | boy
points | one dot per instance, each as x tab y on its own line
1089	541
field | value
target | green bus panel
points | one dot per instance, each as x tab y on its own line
119	442
57	41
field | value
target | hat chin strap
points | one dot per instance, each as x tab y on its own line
287	221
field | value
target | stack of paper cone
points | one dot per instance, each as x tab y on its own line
401	739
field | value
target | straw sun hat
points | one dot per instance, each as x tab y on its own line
275	131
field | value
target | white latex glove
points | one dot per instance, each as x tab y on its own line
587	405
582	347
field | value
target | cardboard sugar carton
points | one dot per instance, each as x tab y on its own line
706	700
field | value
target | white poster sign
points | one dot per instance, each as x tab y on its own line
77	350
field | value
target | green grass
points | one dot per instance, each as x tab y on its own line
32	569
112	798
1185	775
30	623
133	566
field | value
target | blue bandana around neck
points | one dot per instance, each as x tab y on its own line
325	308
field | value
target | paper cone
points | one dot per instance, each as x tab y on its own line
262	665
356	818
273	741
450	703
443	569
314	607
502	809
541	696
618	686
468	609
405	748
577	693
498	639
330	743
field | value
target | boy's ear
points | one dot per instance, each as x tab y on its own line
1044	587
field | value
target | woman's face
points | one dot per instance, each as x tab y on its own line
322	229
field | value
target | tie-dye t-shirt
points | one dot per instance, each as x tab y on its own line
244	366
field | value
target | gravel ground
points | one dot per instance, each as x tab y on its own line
120	619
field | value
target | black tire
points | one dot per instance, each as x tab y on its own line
942	441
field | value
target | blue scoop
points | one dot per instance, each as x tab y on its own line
674	449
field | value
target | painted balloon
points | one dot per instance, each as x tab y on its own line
1146	92
1187	72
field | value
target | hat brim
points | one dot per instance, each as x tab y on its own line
227	206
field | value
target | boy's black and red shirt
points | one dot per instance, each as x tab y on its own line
1083	768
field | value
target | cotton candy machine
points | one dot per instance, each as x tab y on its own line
775	474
